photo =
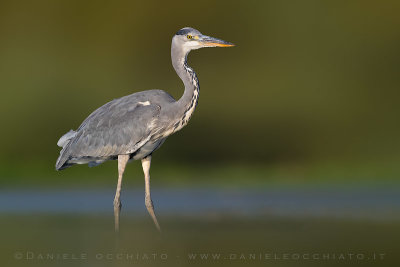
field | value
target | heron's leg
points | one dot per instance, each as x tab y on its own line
149	203
122	160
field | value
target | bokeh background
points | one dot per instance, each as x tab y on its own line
307	101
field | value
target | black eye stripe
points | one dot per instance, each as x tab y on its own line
183	32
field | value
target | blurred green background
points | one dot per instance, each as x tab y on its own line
307	101
311	87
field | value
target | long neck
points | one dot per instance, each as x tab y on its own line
188	102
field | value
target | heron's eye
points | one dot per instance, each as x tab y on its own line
189	36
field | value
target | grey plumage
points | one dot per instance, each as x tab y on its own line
134	126
64	140
121	126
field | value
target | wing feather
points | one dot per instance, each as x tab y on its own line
116	130
120	126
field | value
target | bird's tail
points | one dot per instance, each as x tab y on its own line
64	142
62	162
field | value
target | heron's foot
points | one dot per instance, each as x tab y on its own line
117	209
150	209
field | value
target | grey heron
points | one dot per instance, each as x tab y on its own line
134	126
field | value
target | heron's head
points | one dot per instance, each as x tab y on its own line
190	39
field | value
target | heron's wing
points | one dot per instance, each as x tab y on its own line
118	127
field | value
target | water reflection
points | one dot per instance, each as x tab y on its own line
363	203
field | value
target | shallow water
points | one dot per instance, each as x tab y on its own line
363	203
203	226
